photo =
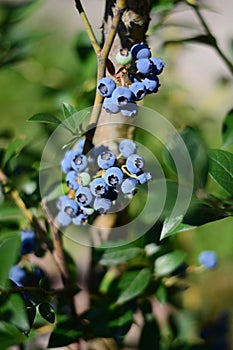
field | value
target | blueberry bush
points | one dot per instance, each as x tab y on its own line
96	208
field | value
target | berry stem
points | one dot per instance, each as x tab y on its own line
212	38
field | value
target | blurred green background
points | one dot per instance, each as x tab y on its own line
56	65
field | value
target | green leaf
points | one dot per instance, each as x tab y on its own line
221	168
132	284
9	213
203	39
47	312
161	294
11	245
65	333
45	118
172	226
169	262
10	335
126	318
160	6
15	312
74	118
13	149
119	256
227	130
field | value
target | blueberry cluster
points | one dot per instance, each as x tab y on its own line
137	78
24	274
96	191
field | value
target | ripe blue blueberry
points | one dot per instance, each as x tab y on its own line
106	86
113	176
80	220
106	159
144	177
70	207
127	147
122	95
111	106
151	84
71	180
208	259
135	163
144	66
157	65
138	89
80	145
129	110
27	241
64	219
79	161
61	201
140	50
66	161
129	185
98	187
83	196
102	205
18	275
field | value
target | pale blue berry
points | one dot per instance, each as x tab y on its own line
18	275
144	177
79	162
113	176
129	110
122	95
71	180
140	50
111	106
135	163
106	86
208	259
66	161
129	185
127	147
144	66
138	89
106	159
157	65
102	205
98	187
80	220
64	219
151	84
83	196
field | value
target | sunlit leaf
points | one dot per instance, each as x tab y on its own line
15	312
169	262
119	256
45	118
7	260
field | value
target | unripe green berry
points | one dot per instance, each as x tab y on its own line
124	57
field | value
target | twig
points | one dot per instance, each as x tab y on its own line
213	39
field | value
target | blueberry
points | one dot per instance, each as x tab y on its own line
98	187
80	146
157	65
144	177
133	77
129	185
61	201
66	161
83	196
70	207
80	220
140	50
129	110
111	106
127	147
102	205
64	219
18	275
122	95
106	86
113	176
71	180
144	66
151	84
106	159
135	163
27	241
208	259
124	56
79	161
138	89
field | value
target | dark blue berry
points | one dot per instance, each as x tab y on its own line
106	159
106	86
18	275
98	187
113	176
129	185
151	84
140	50
83	196
138	89
79	162
122	95
102	205
127	147
157	65
27	241
208	259
71	180
144	66
135	163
